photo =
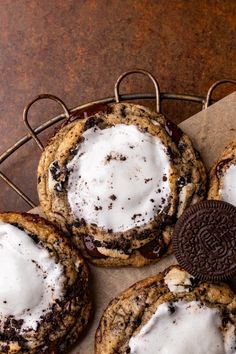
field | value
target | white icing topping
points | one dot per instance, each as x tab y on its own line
178	280
188	327
30	280
228	190
116	179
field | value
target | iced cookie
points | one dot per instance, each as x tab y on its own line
44	302
117	181
222	184
169	313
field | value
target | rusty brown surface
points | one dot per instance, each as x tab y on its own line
77	49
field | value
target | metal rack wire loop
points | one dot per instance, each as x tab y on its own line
17	190
213	87
33	132
139	71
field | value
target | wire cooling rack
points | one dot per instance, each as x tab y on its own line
82	110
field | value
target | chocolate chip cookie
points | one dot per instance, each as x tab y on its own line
117	181
44	300
169	313
222	184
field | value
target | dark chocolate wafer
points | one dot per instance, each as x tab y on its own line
204	240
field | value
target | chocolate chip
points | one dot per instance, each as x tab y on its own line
174	131
153	249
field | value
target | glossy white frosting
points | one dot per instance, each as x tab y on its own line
30	280
116	178
228	190
190	328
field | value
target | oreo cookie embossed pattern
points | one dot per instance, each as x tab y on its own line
204	240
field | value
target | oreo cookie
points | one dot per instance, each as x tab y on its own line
204	240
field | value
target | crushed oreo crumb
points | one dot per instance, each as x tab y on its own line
117	157
97	207
171	308
147	180
113	197
91	122
135	216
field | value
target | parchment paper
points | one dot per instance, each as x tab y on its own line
210	130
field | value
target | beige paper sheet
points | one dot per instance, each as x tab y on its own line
210	130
